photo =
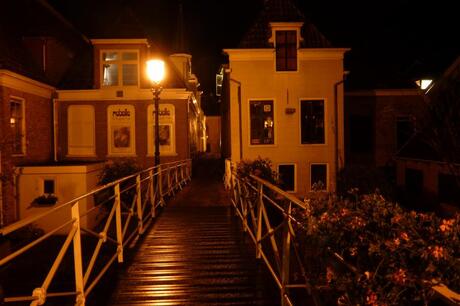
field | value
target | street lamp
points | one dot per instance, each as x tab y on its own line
156	72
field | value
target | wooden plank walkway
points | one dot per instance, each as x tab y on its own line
195	254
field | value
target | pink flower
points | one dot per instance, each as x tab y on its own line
371	298
329	274
399	276
446	225
396	219
437	252
405	236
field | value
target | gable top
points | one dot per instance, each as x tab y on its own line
282	11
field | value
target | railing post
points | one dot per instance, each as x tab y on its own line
260	206
77	257
140	225
182	181
118	223
285	266
152	194
170	191
160	185
243	207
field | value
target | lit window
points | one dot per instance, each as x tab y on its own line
262	122
287	177
119	68
312	121
17	126
318	177
286	50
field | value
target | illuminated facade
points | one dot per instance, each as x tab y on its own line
68	103
116	118
284	99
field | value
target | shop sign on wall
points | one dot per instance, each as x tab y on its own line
166	129
121	129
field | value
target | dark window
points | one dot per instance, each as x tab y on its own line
48	186
287	177
262	122
404	130
319	177
448	189
414	181
361	134
286	50
312	121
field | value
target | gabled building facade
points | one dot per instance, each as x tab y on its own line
285	99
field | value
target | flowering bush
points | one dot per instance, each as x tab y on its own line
394	256
261	167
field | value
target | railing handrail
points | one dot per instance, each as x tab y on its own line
30	219
232	180
125	218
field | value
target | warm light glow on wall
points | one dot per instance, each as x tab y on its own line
155	70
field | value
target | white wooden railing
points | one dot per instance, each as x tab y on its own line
251	196
132	203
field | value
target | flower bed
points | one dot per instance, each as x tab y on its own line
392	256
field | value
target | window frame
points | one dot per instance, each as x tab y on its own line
275	123
327	177
275	44
22	102
295	174
120	63
325	121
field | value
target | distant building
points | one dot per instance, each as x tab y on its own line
213	134
284	99
379	122
428	166
68	104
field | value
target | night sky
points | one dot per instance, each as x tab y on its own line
390	40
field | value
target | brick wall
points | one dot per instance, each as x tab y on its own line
38	141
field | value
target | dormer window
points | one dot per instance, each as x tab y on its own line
120	68
286	50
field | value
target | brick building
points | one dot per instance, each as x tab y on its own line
68	100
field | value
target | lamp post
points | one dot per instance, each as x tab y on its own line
155	72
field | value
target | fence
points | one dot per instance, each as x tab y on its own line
131	203
267	216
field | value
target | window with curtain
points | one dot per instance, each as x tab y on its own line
262	122
17	125
120	68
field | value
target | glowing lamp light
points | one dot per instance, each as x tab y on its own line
155	70
424	83
12	121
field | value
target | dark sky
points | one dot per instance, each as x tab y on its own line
389	39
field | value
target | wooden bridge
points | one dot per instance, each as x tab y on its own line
192	251
195	254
